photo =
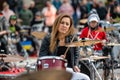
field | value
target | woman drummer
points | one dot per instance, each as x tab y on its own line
54	44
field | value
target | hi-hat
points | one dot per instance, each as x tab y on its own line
39	35
48	74
82	43
95	58
107	29
12	58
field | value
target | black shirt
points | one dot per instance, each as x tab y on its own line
61	51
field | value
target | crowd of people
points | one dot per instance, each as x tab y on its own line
59	20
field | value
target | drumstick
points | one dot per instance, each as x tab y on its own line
68	46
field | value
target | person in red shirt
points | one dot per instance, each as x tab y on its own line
92	31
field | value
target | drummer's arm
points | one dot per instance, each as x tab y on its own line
76	60
44	50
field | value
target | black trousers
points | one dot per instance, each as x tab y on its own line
3	46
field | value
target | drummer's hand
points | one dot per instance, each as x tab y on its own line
104	42
76	69
62	56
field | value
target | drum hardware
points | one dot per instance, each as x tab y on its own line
86	51
39	35
12	73
95	58
12	58
92	66
83	43
46	74
106	29
83	21
110	45
27	67
51	62
2	56
22	31
113	44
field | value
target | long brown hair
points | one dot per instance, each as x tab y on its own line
54	34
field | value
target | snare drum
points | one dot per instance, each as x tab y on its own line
51	62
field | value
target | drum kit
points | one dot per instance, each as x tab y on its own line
56	65
8	69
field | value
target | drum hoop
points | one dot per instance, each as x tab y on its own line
51	57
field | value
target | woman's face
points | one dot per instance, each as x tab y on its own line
64	25
93	24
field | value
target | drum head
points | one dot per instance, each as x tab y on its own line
51	57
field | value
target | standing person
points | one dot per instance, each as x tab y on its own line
3	31
7	12
33	7
26	15
54	44
57	3
66	8
49	13
92	32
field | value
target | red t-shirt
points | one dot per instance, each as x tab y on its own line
94	35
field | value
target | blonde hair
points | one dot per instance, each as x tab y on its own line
54	34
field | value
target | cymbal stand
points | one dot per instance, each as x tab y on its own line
1	60
112	64
112	37
94	68
91	64
2	64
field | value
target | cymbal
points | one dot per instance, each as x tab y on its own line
82	43
113	44
107	29
13	58
39	35
3	55
23	30
95	57
83	21
48	74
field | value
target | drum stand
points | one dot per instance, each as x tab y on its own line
112	63
92	66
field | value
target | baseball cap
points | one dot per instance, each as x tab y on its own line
13	17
